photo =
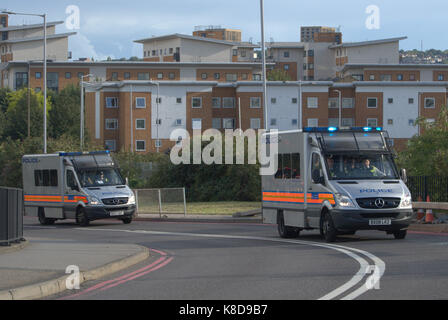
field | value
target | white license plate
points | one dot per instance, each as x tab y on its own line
116	213
380	222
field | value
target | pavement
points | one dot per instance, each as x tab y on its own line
198	218
39	269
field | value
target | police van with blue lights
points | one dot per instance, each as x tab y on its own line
338	181
82	186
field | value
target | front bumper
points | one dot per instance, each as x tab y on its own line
352	220
97	213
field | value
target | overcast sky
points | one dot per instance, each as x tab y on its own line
108	27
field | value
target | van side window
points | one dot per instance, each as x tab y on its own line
71	181
288	166
316	167
46	178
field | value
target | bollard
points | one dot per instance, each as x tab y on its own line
429	215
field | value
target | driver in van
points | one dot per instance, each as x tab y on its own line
370	170
101	179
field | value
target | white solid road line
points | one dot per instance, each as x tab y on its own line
365	267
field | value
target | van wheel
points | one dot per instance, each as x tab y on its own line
327	228
285	231
81	218
401	234
127	220
44	221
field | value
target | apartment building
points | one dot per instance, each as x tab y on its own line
307	33
25	42
185	48
140	116
218	33
15	75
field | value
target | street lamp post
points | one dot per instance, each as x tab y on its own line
263	54
81	128
44	16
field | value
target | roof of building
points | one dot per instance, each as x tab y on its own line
286	45
30	26
366	43
188	37
49	37
393	66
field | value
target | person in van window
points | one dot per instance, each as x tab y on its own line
369	170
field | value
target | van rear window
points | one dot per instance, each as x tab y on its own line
46	178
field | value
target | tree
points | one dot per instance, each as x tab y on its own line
2	124
64	117
4	99
278	75
17	114
427	154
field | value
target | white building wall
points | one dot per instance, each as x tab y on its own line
284	111
385	53
31	33
198	51
57	49
324	61
161	45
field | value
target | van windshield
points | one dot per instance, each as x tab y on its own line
100	177
359	167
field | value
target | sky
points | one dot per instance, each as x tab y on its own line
107	28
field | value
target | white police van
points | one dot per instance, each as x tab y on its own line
80	186
336	180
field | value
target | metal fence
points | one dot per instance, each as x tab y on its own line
161	201
434	187
11	216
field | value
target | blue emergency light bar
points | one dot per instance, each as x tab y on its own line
336	129
77	154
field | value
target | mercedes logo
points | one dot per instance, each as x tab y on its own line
116	201
379	203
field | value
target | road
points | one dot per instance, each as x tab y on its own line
197	261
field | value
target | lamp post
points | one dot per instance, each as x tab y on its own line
44	16
81	128
263	54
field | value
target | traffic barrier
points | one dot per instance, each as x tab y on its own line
429	214
11	216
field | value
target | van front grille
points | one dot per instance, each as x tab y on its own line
115	201
379	203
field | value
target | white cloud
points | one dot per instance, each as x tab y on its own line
82	47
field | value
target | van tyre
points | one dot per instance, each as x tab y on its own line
328	230
44	221
285	231
400	234
127	220
81	218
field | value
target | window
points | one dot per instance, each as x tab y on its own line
358	77
412	77
216	123
348	122
313	123
286	67
38	75
21	80
140	103
255	123
400	77
294	122
311	66
231	77
178	122
411	122
111	102
294	100
286	54
38	89
347	103
311	53
140	124
160	75
288	166
216	102
243	53
312	102
114	76
158	122
140	145
127	75
235	52
46	178
255	102
204	76
178	100
217	76
430	103
386	77
273	100
372	103
143	76
111	124
158	143
196	102
333	122
159	100
333	103
390	100
411	100
440	77
430	121
171	51
53	81
111	145
372	77
372	122
390	122
244	76
228	102
228	123
197	124
273	122
154	53
256	77
71	179
171	76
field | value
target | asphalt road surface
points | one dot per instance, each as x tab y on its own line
197	261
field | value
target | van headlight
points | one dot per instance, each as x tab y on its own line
406	202
93	201
344	201
132	199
